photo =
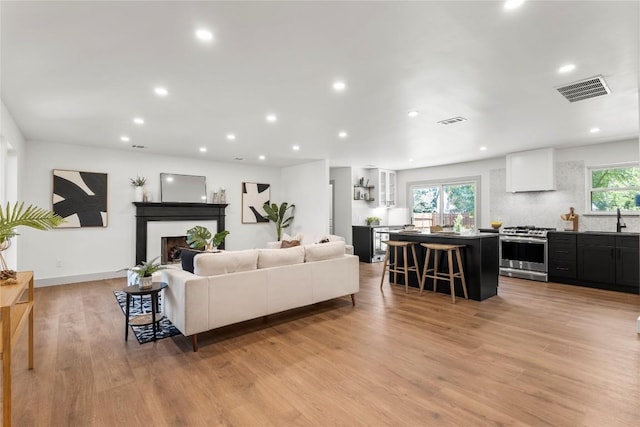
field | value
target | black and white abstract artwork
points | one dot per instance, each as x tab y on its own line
253	197
80	198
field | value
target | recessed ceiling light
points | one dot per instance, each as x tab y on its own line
342	134
411	160
169	179
161	91
231	136
272	118
594	130
483	148
513	4
204	35
567	68
296	148
203	149
125	138
138	120
339	86
261	157
413	113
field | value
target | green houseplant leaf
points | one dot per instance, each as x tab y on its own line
199	237
147	268
277	215
31	216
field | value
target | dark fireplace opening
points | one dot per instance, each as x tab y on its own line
171	246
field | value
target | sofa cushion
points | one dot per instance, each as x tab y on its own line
214	264
319	252
289	244
278	257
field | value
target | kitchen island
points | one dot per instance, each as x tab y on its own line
480	258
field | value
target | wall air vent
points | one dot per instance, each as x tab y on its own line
452	120
584	89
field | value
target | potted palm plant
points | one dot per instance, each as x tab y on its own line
200	237
278	214
145	269
12	217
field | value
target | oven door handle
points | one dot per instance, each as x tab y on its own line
523	240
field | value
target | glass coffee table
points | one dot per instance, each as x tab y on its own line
143	319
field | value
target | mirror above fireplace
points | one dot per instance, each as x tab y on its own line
183	188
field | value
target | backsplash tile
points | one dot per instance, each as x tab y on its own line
543	208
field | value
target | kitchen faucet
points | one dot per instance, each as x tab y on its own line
620	225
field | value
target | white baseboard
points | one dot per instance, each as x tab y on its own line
54	281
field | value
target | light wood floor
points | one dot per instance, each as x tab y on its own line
537	354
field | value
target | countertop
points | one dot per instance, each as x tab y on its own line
379	226
448	234
604	233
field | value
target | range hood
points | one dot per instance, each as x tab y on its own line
531	171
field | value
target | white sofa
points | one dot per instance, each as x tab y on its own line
305	238
234	286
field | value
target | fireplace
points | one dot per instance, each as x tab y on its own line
170	248
149	214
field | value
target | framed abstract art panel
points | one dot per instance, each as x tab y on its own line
80	198
254	195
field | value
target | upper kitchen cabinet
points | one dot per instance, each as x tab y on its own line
386	188
531	171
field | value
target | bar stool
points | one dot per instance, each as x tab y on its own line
393	267
451	276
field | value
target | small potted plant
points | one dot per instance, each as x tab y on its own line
145	269
373	220
138	183
199	237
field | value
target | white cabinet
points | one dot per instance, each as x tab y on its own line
386	188
531	171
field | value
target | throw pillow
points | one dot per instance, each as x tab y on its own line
289	244
186	258
297	237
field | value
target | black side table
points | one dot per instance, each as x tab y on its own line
146	318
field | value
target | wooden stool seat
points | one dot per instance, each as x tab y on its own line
394	267
451	275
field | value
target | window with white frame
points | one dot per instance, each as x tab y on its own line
442	203
613	187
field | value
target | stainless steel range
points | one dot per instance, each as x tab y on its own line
523	252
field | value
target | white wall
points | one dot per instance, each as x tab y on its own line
11	172
307	187
342	201
92	253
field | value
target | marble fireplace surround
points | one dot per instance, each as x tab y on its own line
202	213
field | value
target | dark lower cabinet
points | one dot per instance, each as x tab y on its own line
609	261
627	261
598	260
562	256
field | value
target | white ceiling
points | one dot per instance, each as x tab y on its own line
78	72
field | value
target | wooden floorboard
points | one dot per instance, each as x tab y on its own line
539	354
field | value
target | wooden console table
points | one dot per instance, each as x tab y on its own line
16	307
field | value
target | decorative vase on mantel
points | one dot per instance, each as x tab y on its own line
138	195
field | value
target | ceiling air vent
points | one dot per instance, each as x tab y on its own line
584	89
138	146
452	120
